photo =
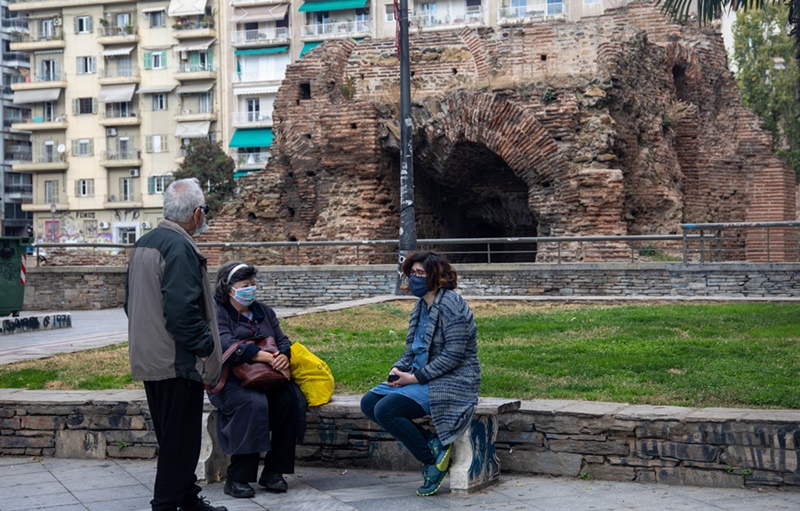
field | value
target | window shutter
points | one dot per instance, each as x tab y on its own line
148	143
77	188
91	147
151	185
148	60
75	148
90	187
164	59
94	105
77	28
89	24
75	107
92	64
164	139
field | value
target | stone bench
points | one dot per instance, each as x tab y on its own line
340	426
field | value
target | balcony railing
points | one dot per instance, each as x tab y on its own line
115	30
194	67
251	117
122	154
16	55
261	35
252	159
257	76
49	157
56	34
16	23
50	77
426	19
193	22
19	188
192	110
532	11
124	72
338	28
22	156
116	113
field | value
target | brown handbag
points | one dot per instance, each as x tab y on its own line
254	375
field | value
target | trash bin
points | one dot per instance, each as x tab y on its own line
12	274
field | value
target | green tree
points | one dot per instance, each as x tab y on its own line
768	75
206	161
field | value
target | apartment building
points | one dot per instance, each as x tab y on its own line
113	90
16	188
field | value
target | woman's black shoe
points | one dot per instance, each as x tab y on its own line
238	490
273	481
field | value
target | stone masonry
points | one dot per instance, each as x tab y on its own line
625	123
611	441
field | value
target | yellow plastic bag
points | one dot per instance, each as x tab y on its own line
312	374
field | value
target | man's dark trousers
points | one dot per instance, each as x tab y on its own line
176	406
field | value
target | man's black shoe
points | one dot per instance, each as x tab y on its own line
203	505
273	481
238	490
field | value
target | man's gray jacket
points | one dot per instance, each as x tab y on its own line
172	320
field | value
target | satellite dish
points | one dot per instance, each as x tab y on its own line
61	148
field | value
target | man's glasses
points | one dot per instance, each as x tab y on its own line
204	208
418	273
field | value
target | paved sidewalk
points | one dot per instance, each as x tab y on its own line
49	484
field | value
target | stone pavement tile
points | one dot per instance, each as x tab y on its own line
70	470
68	507
527	488
298	492
23	466
138	504
143	471
105	482
237	504
377	491
36	502
486	497
31	487
313	505
770	501
118	492
410	503
8	481
332	479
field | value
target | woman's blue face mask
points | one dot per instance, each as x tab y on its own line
418	286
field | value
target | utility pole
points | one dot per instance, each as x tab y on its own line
408	228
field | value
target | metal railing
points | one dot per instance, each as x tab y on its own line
532	11
117	30
258	76
251	117
245	160
17	188
122	72
20	156
119	113
743	241
433	19
338	28
38	35
190	67
261	35
122	154
16	55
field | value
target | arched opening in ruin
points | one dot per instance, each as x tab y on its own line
470	192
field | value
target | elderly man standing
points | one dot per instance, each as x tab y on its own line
174	341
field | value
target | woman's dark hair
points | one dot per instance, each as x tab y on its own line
439	272
224	283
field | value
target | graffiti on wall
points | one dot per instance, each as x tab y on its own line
35	323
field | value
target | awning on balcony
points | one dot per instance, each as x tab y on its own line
256	90
309	46
153	9
262	51
265	13
116	93
197	129
156	89
261	137
332	5
47	52
186	7
196	88
199	45
118	50
156	47
22	97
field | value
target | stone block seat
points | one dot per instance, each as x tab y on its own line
339	435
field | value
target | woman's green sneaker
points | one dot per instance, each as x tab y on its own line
432	479
440	452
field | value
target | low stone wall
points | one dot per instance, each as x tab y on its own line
611	441
70	288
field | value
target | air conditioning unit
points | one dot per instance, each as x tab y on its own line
146	225
184	112
111	132
134	172
103	225
56	22
184	55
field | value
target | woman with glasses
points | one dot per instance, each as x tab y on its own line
247	416
437	375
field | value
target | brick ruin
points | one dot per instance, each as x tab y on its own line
621	124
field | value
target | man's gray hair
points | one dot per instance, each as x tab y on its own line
182	198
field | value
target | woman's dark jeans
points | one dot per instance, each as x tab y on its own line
394	413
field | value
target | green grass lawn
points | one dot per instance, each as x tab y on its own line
732	355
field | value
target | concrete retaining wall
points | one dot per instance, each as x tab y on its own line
70	288
610	441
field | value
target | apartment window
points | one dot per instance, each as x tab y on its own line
51	192
83	24
589	2
87	65
84	187
157	184
156	143
82	147
82	106
49	111
158	19
388	13
127	234
159	101
473	6
155	59
126	189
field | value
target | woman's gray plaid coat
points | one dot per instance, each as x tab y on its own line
453	371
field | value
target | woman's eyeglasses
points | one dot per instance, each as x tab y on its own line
418	273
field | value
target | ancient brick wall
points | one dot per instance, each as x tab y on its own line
625	123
